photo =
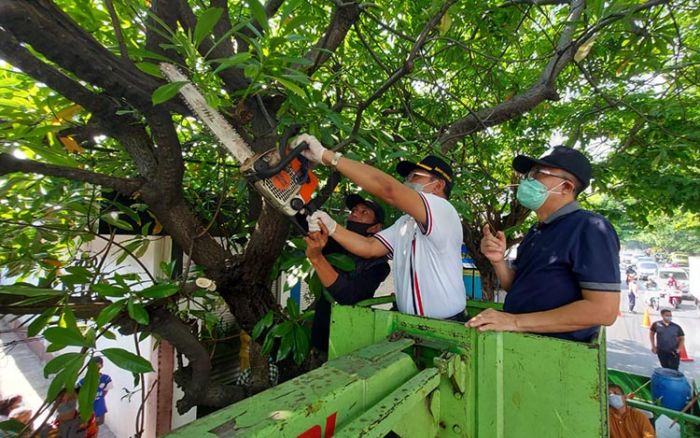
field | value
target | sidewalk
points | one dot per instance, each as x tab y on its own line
23	373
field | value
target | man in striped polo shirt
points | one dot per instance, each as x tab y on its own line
425	243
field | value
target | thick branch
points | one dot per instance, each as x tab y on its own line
51	32
343	18
83	308
544	88
132	136
9	164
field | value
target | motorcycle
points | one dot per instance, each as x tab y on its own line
652	299
673	295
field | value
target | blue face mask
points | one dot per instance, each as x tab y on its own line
532	193
615	401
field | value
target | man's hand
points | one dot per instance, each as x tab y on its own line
493	320
315	242
320	218
314	152
493	247
653	349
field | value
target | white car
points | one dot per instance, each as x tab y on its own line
647	269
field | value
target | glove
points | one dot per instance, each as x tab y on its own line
314	152
322	216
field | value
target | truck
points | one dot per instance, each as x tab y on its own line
391	374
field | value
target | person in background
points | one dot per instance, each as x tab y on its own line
632	291
67	422
624	421
366	218
667	339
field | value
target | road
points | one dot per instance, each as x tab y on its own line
628	342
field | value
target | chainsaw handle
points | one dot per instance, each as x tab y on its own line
261	168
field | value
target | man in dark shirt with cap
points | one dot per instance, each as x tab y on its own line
366	218
565	281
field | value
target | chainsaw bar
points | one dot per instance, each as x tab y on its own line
221	129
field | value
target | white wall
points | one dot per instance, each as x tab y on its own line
121	418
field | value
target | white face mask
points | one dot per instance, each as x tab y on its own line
418	187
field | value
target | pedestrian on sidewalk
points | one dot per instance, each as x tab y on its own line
667	339
632	289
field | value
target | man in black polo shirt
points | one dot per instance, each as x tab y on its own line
565	281
366	218
667	339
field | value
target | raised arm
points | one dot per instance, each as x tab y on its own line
372	180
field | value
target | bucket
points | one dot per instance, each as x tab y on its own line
670	387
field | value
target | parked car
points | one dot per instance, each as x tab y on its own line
646	269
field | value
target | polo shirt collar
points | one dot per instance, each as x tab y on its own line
568	208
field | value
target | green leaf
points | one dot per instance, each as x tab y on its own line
265	322
149	68
291	86
68	320
88	391
12	427
341	261
301	344
65	336
258	12
112	218
40	322
234	60
162	290
108	290
166	92
59	363
286	344
292	308
127	360
66	378
205	24
28	290
137	312
315	286
109	313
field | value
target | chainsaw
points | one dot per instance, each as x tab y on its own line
282	176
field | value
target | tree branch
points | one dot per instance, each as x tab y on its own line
544	88
9	164
54	34
343	18
406	68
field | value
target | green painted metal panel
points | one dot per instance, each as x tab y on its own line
342	389
517	385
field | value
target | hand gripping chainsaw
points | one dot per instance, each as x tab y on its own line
282	176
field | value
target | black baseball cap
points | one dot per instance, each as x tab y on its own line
562	157
353	199
431	164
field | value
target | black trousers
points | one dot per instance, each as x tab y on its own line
669	359
459	317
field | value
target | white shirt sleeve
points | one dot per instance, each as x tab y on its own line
389	236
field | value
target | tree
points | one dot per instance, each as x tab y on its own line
84	111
